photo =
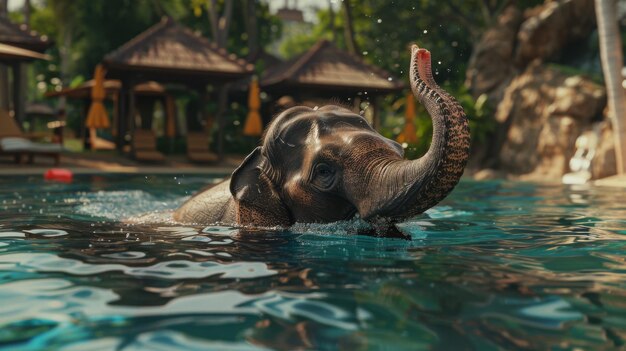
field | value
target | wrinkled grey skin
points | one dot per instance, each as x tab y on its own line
325	165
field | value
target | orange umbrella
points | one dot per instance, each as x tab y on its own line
253	125
409	134
97	117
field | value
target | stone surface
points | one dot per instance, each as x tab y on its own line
546	111
604	163
491	63
552	26
540	110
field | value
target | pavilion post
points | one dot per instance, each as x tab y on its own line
122	116
221	110
205	97
375	113
132	108
116	114
83	127
18	103
4	87
22	80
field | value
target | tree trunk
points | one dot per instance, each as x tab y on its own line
349	28
331	21
224	23
251	27
27	13
612	62
220	24
4	8
213	18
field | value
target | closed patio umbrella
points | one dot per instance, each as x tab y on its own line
253	125
97	117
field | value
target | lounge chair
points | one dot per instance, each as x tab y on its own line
198	148
14	142
21	146
98	143
144	146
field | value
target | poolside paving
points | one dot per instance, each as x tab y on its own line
613	181
102	163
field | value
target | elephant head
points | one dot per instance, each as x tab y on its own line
328	164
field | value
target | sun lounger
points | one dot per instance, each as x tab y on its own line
21	146
98	143
198	148
14	142
144	146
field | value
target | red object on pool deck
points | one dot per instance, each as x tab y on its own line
59	175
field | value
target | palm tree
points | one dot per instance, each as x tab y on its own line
612	62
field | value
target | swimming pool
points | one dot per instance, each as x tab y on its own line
497	265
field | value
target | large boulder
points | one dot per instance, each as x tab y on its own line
551	27
604	163
545	111
491	63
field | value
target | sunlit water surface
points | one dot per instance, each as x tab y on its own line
497	265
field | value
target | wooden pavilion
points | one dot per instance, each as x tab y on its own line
325	72
171	53
19	46
147	91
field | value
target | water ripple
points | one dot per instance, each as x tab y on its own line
498	265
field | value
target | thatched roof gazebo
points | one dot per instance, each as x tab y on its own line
170	53
327	72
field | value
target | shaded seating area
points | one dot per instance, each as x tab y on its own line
172	54
112	90
144	146
198	148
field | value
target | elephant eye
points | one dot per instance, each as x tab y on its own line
324	176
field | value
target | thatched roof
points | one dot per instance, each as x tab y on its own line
327	67
19	35
170	49
14	53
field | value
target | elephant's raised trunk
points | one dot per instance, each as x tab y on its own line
406	188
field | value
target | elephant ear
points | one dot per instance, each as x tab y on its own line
258	203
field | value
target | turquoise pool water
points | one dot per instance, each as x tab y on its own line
497	265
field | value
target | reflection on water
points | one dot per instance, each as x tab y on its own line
497	265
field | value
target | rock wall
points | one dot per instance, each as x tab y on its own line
540	110
546	110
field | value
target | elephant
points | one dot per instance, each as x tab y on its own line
327	164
